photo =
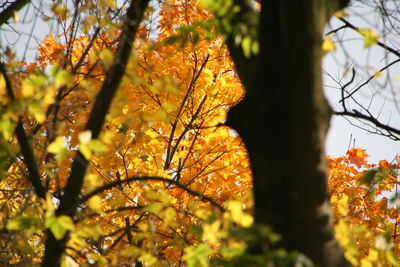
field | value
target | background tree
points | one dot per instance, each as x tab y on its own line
162	123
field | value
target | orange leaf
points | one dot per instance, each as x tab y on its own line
357	156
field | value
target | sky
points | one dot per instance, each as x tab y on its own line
342	134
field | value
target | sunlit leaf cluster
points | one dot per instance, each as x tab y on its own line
166	121
365	205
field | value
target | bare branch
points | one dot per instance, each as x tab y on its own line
376	122
11	9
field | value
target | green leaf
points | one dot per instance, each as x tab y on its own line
61	77
197	255
59	225
23	222
58	148
255	48
246	45
172	40
7	126
97	146
368	177
154	207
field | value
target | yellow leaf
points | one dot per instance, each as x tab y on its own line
86	151
94	204
59	10
151	195
111	4
106	57
378	74
392	258
97	146
169	107
107	137
130	251
2	83
373	255
370	37
236	214
27	89
23	222
169	215
211	232
38	111
149	259
85	137
201	213
328	45
246	220
339	14
85	230
88	146
366	263
93	181
58	147
147	117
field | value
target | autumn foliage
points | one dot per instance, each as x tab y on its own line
165	122
365	204
168	183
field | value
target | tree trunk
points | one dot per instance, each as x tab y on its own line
283	120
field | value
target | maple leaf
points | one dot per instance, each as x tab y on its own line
357	156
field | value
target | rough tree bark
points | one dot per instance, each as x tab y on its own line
283	121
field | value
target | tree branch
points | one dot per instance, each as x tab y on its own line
384	46
149	178
54	248
103	102
9	11
26	149
358	115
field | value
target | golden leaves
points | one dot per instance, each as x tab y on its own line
236	214
168	105
363	212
